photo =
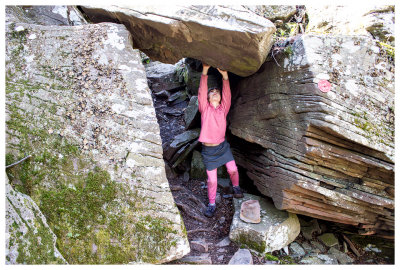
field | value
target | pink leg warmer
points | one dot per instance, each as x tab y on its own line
212	185
233	172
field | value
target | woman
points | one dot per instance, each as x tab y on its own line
215	149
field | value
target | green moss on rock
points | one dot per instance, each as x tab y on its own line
96	220
247	242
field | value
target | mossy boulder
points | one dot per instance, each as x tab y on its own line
77	101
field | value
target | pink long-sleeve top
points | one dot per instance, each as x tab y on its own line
213	120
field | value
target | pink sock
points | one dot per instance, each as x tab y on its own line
233	172
212	183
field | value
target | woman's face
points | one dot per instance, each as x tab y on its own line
214	96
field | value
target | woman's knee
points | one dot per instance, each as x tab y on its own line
231	167
212	176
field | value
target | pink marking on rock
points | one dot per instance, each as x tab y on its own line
324	86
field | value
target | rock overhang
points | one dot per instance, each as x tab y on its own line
231	38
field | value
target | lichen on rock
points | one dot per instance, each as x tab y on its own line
77	101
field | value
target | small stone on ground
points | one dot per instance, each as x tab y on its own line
242	256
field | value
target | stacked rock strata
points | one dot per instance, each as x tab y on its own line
329	155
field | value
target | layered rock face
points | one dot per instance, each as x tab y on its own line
231	38
78	102
329	155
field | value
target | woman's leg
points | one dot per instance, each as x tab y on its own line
233	172
212	185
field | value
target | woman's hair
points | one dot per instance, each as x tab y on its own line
214	87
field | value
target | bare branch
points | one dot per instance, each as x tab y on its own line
11	165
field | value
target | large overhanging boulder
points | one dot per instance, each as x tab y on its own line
328	155
77	102
232	38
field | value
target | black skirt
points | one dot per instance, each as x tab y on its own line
216	156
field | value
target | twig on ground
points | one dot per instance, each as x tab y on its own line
198	230
352	247
176	188
196	201
273	56
187	210
15	163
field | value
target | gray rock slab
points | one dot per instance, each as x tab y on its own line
242	256
343	258
181	140
311	249
192	115
224	242
177	97
311	259
276	230
162	76
296	250
318	246
328	259
84	100
199	245
240	38
182	153
201	259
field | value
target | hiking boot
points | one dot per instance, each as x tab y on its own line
237	193
209	212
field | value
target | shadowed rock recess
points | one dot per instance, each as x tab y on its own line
77	101
326	155
232	38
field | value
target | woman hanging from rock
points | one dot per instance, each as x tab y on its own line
215	149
